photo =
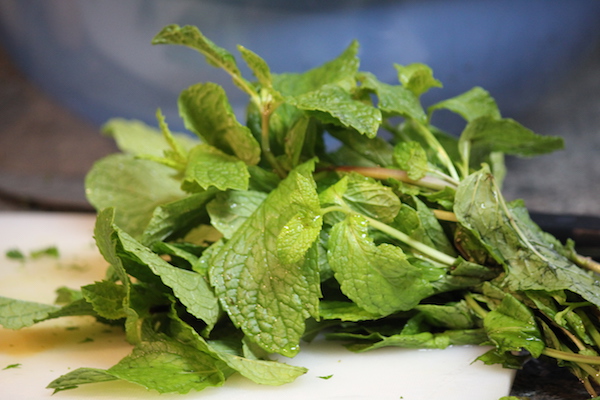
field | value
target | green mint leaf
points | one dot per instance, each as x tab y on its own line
209	167
137	138
417	77
259	67
259	371
228	211
422	340
175	219
188	286
512	327
394	99
364	195
302	230
107	298
168	366
299	234
133	187
531	261
411	157
267	298
342	70
335	104
420	223
80	376
344	311
106	239
206	111
294	140
448	316
17	314
216	56
376	151
264	372
471	105
488	134
378	279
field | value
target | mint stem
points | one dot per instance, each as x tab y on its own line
381	173
430	252
576	358
265	142
440	151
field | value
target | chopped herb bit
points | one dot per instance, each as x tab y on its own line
15	254
12	366
51	251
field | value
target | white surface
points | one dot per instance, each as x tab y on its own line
53	348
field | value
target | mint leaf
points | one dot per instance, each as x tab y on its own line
342	70
207	167
531	261
133	187
106	240
264	372
394	100
231	209
512	327
417	77
175	219
216	56
168	366
341	108
17	314
137	138
259	67
267	298
367	151
378	279
107	298
189	287
411	157
471	105
507	136
80	376
344	311
206	111
363	195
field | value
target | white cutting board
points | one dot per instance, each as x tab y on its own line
52	348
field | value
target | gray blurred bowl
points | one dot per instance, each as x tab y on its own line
96	57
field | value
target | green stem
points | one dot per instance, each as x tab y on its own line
585	262
430	252
465	153
429	182
474	305
513	223
576	358
589	326
266	144
440	151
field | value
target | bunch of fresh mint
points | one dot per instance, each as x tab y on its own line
249	238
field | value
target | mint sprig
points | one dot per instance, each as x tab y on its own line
243	238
